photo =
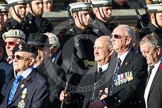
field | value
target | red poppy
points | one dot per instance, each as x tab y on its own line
160	66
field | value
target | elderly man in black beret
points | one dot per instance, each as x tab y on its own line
28	89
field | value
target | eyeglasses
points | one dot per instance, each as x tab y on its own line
116	36
18	57
10	43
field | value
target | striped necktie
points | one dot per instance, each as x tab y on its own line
99	73
115	76
14	88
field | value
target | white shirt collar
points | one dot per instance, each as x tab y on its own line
122	57
104	67
26	72
148	86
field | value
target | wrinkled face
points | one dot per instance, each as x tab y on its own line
22	61
20	10
47	6
149	53
84	17
159	18
101	52
3	20
10	43
119	39
37	6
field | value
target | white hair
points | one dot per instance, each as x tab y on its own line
53	39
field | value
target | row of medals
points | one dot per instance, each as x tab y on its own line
123	78
21	104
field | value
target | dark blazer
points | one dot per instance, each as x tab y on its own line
14	24
102	28
36	95
155	29
155	93
88	86
6	74
56	78
38	24
131	93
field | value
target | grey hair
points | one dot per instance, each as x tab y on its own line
20	40
128	30
153	39
108	41
53	39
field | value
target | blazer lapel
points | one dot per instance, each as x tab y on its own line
94	70
126	62
23	84
8	89
157	75
110	71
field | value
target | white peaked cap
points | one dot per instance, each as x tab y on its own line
3	8
99	3
15	2
79	6
154	8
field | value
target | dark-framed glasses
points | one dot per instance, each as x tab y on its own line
18	57
116	36
10	43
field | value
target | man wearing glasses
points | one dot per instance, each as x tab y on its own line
28	89
11	38
128	81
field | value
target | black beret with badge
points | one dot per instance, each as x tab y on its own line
23	47
38	39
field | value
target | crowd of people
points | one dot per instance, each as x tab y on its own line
94	64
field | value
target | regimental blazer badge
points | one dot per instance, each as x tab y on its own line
20	47
124	78
21	103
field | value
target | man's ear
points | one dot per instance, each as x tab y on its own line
111	51
28	7
74	15
128	40
158	50
95	10
152	16
10	9
32	61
